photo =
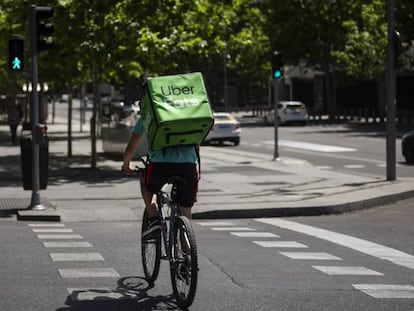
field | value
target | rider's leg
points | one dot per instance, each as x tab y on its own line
150	201
185	211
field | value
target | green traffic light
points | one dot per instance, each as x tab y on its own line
277	74
16	63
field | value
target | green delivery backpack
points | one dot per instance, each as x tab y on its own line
175	110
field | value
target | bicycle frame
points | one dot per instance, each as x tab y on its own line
180	248
165	197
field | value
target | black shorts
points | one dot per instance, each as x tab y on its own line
156	175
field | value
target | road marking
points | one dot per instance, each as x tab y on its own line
232	229
58	236
47	225
310	146
281	244
96	294
89	273
354	166
324	167
373	249
386	290
52	230
255	234
338	270
215	223
76	257
66	244
310	255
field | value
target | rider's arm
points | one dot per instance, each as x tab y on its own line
130	149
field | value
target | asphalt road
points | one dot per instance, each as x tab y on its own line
356	148
357	261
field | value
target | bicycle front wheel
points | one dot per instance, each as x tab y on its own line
184	267
150	252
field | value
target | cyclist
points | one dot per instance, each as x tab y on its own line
172	161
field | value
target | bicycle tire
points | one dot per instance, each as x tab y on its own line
150	252
184	275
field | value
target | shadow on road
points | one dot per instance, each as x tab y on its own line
130	294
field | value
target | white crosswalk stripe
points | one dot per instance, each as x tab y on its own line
232	229
280	244
310	255
386	290
66	244
76	257
255	234
215	223
52	230
89	273
47	225
59	236
340	270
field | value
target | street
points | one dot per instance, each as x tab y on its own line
345	147
91	259
245	264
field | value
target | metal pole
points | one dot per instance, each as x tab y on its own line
390	96
275	104
35	202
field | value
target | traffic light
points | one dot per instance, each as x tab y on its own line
43	28
16	53
277	66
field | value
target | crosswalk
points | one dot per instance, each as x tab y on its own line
350	162
374	290
64	247
74	257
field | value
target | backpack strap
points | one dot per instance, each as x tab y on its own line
197	150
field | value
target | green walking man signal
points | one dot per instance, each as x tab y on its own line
16	53
17	64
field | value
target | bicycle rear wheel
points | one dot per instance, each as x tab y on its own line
184	267
150	252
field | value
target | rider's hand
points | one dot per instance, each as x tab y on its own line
125	168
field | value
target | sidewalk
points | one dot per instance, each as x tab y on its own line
233	184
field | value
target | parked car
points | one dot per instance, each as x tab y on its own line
288	112
225	128
119	108
64	98
407	146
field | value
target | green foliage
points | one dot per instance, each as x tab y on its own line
364	51
125	40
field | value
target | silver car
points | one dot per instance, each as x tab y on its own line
225	128
288	112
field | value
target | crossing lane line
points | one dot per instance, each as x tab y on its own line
370	248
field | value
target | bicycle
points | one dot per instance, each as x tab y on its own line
180	247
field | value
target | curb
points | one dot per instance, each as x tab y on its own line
305	211
33	215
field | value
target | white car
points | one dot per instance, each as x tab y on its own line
288	112
225	128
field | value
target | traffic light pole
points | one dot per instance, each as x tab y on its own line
390	96
35	202
276	117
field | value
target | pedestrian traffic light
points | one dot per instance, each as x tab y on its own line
277	66
43	28
16	53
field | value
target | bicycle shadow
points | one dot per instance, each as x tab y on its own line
130	294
